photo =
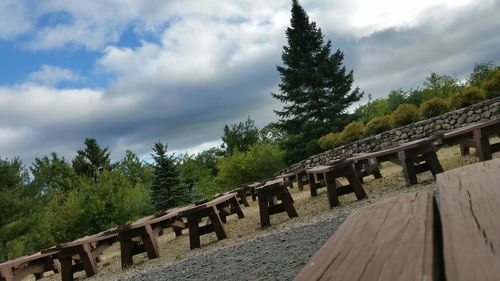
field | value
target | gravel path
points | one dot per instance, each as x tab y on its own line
277	256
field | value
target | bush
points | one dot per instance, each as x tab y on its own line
405	114
378	125
491	87
352	132
434	107
467	97
259	162
329	140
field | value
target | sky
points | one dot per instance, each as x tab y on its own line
132	72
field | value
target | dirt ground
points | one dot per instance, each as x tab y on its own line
311	210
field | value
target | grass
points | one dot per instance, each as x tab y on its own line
310	210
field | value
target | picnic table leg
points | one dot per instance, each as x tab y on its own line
409	172
356	185
235	207
331	190
374	169
66	268
194	232
243	198
300	177
7	274
464	150
264	210
287	202
483	148
126	252
312	185
88	261
217	224
433	163
150	244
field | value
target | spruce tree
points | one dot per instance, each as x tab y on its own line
166	189
92	160
315	87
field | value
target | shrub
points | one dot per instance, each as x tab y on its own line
491	87
378	125
329	140
352	132
405	114
434	107
467	97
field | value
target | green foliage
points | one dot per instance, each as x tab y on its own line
167	190
439	86
261	161
434	107
240	136
371	110
271	133
405	114
52	174
481	73
329	140
15	197
378	125
92	160
491	87
352	132
395	99
197	176
135	170
466	97
315	87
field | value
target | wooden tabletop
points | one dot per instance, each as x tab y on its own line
211	203
469	128
25	259
329	168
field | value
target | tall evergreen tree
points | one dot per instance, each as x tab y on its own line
92	160
315	86
166	189
16	203
240	136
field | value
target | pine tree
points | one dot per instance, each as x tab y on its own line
92	160
315	86
166	189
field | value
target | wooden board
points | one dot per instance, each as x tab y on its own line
389	240
470	207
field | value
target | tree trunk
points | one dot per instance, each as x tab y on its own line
5	254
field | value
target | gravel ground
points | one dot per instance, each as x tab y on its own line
277	256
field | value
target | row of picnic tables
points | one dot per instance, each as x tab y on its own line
272	194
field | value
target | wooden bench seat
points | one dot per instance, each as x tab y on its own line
329	175
389	240
36	264
268	196
474	136
408	237
470	208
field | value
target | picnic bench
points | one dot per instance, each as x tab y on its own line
475	136
241	192
36	264
365	166
141	236
252	187
408	237
334	189
414	157
211	210
82	254
268	195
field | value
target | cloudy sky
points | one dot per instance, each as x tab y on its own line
131	72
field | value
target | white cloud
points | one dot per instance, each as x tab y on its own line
14	19
52	75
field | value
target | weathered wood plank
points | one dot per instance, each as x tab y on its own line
469	207
389	240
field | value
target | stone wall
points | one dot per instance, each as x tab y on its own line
489	109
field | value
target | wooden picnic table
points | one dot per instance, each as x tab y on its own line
83	253
212	210
268	195
329	175
414	157
142	235
475	136
408	237
252	187
37	264
365	166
